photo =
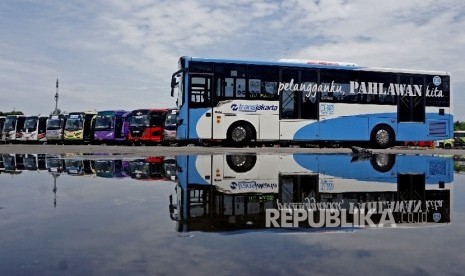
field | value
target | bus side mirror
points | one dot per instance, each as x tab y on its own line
173	85
179	122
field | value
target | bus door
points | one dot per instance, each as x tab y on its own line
299	106
42	128
88	127
411	108
119	132
295	188
200	106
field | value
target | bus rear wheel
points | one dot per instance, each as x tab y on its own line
382	136
240	135
241	163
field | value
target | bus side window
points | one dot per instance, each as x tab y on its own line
200	89
240	88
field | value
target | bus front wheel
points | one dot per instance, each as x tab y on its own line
240	134
382	136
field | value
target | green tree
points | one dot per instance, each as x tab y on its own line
11	113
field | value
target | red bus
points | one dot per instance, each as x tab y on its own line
146	126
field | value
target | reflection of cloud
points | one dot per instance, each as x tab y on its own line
91	235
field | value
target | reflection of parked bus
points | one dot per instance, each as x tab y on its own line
13	163
150	168
34	162
55	128
111	168
146	126
306	101
171	124
231	192
54	164
79	127
79	167
111	127
12	127
34	129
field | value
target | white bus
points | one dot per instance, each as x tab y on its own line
295	101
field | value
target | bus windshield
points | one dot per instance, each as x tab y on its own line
171	119
73	124
54	124
104	122
138	121
10	123
30	124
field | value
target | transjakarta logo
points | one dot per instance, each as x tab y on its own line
252	185
253	107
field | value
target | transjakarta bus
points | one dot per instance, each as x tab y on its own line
146	126
110	127
34	129
305	101
232	192
79	127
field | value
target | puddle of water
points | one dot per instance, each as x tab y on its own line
225	214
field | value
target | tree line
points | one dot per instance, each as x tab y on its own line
11	113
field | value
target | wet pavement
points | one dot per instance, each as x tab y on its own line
233	213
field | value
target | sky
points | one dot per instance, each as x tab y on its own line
119	54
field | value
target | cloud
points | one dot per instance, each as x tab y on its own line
112	47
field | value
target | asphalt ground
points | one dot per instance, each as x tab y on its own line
145	151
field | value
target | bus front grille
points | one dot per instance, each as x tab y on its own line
437	128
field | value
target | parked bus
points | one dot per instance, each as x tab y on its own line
111	127
55	128
232	192
79	127
12	127
171	124
305	101
2	123
146	126
34	129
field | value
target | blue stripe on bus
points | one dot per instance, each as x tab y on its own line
435	168
358	128
194	175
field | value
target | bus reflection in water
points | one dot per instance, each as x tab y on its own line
112	168
79	167
233	192
150	168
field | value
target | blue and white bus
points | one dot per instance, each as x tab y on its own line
231	192
304	101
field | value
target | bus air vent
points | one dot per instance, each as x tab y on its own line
437	128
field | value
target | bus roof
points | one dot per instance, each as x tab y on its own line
83	112
317	64
147	110
112	111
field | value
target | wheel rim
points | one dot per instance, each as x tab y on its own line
382	137
382	160
238	134
238	160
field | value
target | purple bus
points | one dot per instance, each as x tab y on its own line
111	126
